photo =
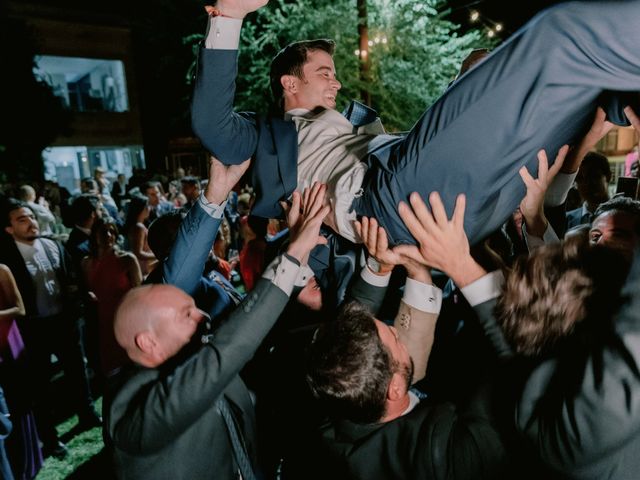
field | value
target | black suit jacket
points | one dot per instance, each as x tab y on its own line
434	441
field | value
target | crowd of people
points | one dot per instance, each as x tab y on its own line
66	263
377	309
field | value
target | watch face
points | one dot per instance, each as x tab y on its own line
373	265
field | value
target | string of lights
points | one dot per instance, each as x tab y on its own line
492	27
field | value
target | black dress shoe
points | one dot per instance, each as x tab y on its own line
57	449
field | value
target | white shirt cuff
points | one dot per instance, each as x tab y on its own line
223	33
213	210
485	288
304	275
422	296
283	273
373	279
559	188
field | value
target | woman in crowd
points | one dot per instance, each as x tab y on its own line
109	274
136	233
23	444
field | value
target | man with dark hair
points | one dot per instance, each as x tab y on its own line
190	189
84	210
592	181
361	369
524	96
353	362
48	287
616	224
158	205
290	62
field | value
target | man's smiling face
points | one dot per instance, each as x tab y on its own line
318	87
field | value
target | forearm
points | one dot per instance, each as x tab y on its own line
230	137
10	313
416	322
185	263
482	295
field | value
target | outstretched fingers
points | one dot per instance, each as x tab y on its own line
437	208
559	161
458	212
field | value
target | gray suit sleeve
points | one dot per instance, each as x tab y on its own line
492	330
369	295
150	411
601	418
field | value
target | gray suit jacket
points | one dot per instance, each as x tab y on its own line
163	423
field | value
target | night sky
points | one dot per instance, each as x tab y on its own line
511	14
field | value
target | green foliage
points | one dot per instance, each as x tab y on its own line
422	54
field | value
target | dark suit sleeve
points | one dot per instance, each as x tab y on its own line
367	294
185	264
230	137
149	411
601	415
492	331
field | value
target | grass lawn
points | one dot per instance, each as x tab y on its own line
86	459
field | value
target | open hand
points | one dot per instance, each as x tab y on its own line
305	218
375	240
442	243
532	205
222	178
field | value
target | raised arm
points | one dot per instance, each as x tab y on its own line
229	136
171	403
444	245
419	308
537	228
183	268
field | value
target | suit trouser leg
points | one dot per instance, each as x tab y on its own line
538	90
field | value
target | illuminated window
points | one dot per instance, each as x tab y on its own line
85	84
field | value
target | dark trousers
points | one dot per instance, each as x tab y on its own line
58	335
540	89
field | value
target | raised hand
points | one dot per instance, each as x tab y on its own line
235	8
633	118
599	128
305	218
375	240
442	242
222	178
532	205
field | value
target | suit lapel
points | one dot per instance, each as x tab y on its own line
286	145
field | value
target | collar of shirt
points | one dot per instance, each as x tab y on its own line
28	251
413	401
296	112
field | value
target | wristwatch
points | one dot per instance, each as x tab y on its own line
373	265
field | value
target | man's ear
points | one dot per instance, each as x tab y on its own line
9	230
146	342
397	387
289	83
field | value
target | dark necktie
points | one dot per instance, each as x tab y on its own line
237	443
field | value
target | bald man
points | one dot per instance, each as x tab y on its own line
182	411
